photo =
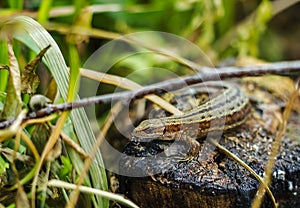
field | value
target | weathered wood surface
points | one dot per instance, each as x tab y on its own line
216	182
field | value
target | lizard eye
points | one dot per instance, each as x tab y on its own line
148	130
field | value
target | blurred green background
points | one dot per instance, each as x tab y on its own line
222	29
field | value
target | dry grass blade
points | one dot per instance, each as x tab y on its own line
36	155
128	84
12	130
110	118
74	145
29	79
36	37
84	189
13	103
48	147
92	32
21	198
262	182
276	145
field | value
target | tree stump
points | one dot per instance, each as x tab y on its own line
165	180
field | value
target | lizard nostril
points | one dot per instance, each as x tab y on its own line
165	130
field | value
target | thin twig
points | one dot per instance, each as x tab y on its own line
207	74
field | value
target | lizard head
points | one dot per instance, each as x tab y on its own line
149	130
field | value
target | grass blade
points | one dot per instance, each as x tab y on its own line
37	38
